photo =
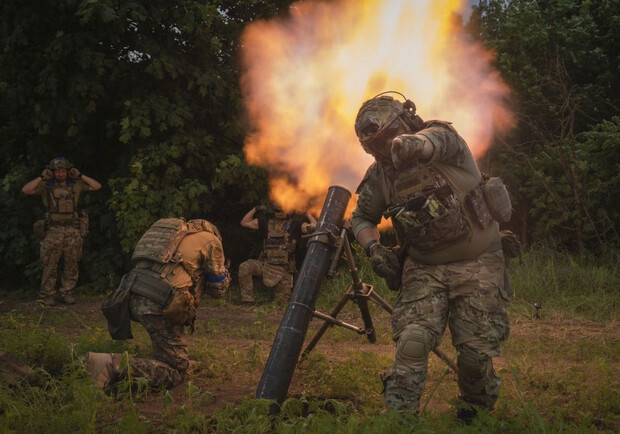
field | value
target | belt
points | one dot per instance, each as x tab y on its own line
71	222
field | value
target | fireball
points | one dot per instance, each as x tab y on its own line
306	75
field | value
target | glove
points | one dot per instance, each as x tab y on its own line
47	175
74	173
406	148
385	263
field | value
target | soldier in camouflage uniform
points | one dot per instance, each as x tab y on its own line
64	227
277	264
449	269
174	262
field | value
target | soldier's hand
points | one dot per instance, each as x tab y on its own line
406	148
74	173
47	174
260	208
385	263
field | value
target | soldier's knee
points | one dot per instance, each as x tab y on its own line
244	268
413	346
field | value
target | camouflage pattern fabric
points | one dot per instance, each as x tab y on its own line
274	276
65	242
170	357
469	297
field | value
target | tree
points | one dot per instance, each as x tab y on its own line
143	96
561	58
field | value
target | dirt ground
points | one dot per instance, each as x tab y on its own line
235	390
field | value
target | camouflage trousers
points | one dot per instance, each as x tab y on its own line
274	276
170	357
469	297
60	242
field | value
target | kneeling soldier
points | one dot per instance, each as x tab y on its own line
173	262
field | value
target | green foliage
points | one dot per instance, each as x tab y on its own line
41	348
560	59
586	286
142	96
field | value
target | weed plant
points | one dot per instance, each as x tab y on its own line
583	286
559	374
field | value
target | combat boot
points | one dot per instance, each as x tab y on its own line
466	415
100	367
67	299
49	300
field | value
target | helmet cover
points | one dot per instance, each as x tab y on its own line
379	120
60	163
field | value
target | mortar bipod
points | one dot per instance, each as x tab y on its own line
359	292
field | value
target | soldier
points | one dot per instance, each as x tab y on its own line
281	233
173	263
449	270
64	226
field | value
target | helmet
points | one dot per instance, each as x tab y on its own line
382	118
60	163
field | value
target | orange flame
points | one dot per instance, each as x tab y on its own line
305	77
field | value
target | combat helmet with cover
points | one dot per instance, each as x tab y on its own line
60	163
382	118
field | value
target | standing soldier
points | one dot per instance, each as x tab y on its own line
276	265
64	226
173	262
450	268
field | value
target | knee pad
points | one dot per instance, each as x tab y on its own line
413	347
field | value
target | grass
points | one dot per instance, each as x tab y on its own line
559	374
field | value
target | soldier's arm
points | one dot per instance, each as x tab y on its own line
30	187
216	275
310	226
94	185
249	220
370	207
447	145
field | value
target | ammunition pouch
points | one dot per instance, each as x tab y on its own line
275	252
489	201
151	285
476	204
437	221
497	199
178	304
429	216
116	309
39	228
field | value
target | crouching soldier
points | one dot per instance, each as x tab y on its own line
173	263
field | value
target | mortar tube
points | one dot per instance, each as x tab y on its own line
280	366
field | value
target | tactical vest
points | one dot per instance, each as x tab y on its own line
61	199
278	246
159	244
427	214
